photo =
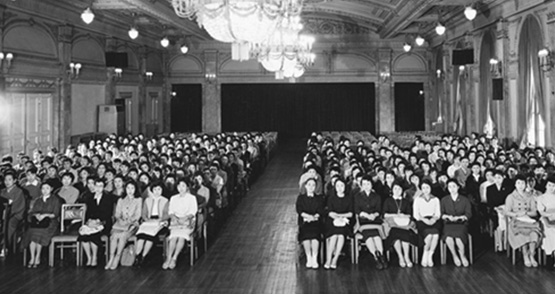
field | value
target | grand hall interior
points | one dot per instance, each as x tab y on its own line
277	146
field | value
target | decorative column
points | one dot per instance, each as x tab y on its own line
386	104
550	88
166	95
448	98
143	117
62	121
211	94
111	45
506	111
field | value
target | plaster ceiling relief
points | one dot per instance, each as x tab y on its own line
318	26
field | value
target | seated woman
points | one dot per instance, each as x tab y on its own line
98	220
456	211
523	231
338	222
155	222
546	209
397	212
310	210
182	211
426	210
43	222
368	207
126	215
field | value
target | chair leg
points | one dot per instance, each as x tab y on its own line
78	253
352	251
471	249
356	250
192	245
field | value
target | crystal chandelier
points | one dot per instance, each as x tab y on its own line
286	53
241	22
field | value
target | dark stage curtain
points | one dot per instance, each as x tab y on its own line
298	109
186	108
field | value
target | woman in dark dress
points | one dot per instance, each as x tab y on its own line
367	208
426	210
47	206
456	211
338	222
310	208
397	212
100	208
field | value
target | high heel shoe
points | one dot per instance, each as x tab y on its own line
31	264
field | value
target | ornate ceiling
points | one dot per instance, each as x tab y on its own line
385	19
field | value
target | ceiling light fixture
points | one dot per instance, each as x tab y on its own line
470	13
133	33
407	47
87	16
419	40
440	29
165	42
184	49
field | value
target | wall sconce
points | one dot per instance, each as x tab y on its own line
495	67
117	73
8	57
439	74
149	75
546	60
384	76
463	72
73	71
210	77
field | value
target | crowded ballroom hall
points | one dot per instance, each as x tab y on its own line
277	146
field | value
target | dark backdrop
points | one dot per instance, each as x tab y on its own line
186	108
298	109
409	107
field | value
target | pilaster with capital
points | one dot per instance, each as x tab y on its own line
62	122
142	90
211	95
386	103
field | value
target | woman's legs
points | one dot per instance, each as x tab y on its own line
314	245
433	246
122	241
87	248
113	247
140	245
451	245
426	249
38	249
171	248
330	248
338	248
532	251
308	253
32	252
94	253
461	247
406	250
399	251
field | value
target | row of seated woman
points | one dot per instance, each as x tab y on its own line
117	179
411	196
351	136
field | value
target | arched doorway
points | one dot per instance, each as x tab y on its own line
531	110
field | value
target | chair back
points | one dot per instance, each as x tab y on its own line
71	214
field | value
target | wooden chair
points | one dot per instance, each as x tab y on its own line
72	214
413	251
356	243
443	251
192	243
106	240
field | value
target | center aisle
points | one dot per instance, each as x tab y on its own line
256	251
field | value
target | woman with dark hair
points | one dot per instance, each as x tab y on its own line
426	210
523	231
98	217
310	210
154	222
43	222
182	211
338	222
119	189
397	212
456	211
126	215
144	184
546	209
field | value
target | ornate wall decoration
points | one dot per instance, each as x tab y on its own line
332	27
18	83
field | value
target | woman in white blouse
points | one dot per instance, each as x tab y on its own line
182	211
427	212
546	209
